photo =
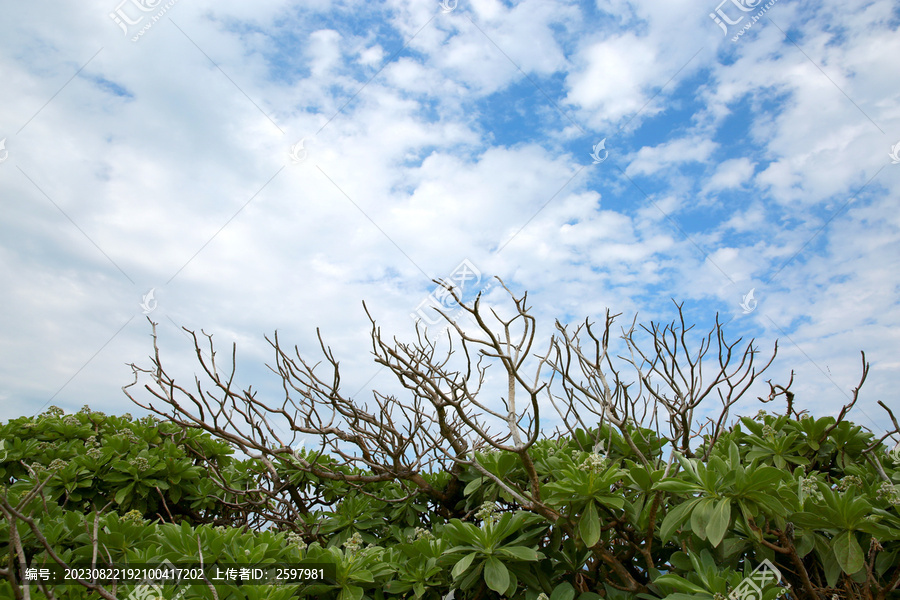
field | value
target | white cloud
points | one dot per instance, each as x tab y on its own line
611	75
649	161
324	51
372	56
729	174
448	153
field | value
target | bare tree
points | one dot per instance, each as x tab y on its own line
669	377
437	427
443	419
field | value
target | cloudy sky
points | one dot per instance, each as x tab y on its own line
242	168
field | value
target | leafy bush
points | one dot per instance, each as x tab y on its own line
149	466
612	510
694	533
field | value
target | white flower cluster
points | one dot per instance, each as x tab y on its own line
595	463
890	493
129	435
895	455
487	513
86	410
58	465
354	543
134	516
296	538
848	482
808	486
93	447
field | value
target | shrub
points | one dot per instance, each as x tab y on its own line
437	508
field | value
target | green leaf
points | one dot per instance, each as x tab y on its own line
700	517
563	591
680	560
804	544
718	523
734	455
680	583
676	518
848	553
589	526
686	464
123	493
640	477
506	462
520	553
353	592
809	520
472	577
831	567
472	486
462	565
398	587
496	575
512	585
362	575
676	485
763	478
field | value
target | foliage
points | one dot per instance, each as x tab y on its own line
717	520
604	510
149	466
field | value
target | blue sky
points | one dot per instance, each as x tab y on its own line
168	160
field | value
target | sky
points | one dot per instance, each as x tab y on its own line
244	168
